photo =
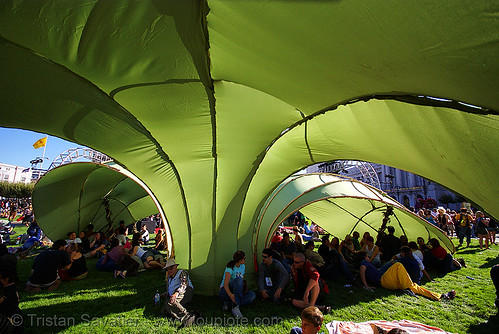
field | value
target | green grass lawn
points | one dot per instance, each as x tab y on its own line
103	304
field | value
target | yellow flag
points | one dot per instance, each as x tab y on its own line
40	143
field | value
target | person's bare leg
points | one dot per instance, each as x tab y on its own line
314	293
55	285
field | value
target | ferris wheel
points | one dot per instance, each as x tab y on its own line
73	154
360	170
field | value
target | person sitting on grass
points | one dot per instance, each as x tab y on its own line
372	252
309	287
9	297
314	257
272	277
418	256
160	240
8	260
232	287
347	249
394	277
72	239
97	243
119	255
439	259
311	321
78	268
144	235
146	256
44	272
287	248
179	291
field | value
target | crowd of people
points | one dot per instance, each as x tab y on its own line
291	269
464	223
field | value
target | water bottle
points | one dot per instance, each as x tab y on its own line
157	298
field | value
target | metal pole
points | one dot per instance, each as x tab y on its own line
43	156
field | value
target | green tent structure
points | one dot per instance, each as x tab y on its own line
213	103
71	196
340	205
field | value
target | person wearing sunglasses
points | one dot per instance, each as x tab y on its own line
272	277
309	287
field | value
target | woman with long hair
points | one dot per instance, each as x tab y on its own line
232	287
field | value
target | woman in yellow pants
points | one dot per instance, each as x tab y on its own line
395	278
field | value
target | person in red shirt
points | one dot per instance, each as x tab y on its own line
276	238
442	260
309	287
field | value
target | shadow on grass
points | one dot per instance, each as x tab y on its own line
486	327
491	261
104	298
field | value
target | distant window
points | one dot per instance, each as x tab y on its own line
6	177
8	168
23	179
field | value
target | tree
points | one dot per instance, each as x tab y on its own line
16	190
445	199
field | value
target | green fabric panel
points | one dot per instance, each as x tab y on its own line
314	54
412	139
92	38
63	64
237	107
69	197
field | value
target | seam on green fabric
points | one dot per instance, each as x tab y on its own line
359	218
146	84
210	92
307	144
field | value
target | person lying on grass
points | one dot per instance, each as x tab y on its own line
311	321
394	276
309	287
47	263
120	256
151	258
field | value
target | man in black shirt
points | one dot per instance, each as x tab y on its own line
390	245
44	270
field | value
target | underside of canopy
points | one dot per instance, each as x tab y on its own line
71	196
212	104
340	206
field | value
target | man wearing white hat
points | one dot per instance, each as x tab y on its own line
179	290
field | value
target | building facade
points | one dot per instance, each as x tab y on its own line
406	188
15	174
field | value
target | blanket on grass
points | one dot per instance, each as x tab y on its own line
412	327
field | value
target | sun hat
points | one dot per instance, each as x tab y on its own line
170	263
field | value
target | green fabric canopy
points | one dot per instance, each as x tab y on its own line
339	205
71	196
212	104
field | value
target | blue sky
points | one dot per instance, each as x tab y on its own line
16	147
